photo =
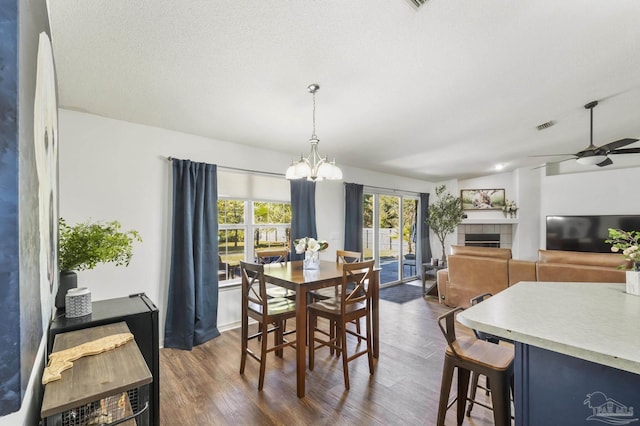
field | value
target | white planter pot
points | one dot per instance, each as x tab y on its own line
633	282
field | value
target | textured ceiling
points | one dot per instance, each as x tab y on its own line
444	91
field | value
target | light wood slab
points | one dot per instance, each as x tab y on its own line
94	378
63	360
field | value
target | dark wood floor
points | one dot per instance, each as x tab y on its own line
204	387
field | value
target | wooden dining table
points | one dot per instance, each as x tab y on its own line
292	276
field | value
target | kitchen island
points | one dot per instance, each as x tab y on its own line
577	350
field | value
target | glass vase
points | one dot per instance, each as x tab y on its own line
311	260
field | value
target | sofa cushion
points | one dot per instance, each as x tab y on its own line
497	253
522	270
607	260
470	276
579	273
572	266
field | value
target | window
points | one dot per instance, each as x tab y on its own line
245	226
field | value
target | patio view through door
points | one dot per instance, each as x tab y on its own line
390	235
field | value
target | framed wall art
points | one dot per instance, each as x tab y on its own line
482	199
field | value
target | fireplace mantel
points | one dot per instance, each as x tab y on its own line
496	221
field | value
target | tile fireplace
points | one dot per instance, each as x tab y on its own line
486	235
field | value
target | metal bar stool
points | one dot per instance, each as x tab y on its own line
469	354
475	376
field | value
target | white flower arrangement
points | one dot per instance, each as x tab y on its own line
509	206
310	244
628	242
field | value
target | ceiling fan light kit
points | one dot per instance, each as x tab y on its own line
314	167
599	155
591	160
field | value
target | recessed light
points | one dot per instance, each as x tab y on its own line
499	166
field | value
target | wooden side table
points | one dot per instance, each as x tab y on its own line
429	269
97	380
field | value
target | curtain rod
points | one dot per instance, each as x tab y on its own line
404	191
237	169
259	172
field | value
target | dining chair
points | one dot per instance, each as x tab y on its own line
488	338
270	313
275	256
223	269
347	256
353	303
470	354
342	256
272	256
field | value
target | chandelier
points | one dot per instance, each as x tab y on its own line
314	167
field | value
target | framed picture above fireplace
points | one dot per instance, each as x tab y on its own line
482	199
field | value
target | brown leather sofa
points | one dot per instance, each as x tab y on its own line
475	270
572	266
472	271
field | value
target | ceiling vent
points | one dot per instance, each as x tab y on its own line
546	125
417	3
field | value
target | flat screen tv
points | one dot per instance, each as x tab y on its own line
586	233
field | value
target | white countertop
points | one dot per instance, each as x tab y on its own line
597	322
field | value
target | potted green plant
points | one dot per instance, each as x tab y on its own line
444	215
86	244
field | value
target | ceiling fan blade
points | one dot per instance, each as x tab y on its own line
625	151
553	162
551	155
618	144
606	162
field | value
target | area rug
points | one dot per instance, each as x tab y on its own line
400	293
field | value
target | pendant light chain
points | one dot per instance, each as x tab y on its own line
591	138
313	135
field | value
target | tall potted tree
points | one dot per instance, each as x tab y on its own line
86	244
444	215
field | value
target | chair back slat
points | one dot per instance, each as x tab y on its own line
254	289
345	256
479	298
355	284
449	328
264	257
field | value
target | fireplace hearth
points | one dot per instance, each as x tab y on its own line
486	235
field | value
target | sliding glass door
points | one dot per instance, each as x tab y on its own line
390	234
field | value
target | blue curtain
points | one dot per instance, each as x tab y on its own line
303	212
192	308
353	216
425	245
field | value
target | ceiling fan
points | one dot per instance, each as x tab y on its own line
599	155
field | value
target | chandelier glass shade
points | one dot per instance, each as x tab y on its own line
314	167
591	160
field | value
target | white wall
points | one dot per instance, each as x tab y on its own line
526	239
115	170
599	192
